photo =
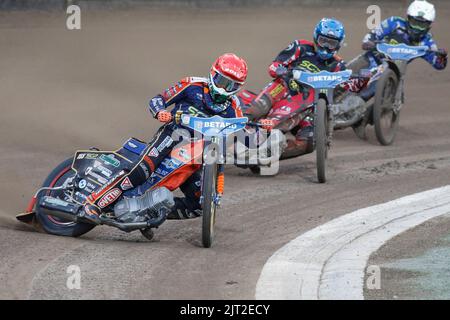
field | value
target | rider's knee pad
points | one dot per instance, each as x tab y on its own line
260	107
140	173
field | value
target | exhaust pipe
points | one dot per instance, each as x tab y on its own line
69	211
131	226
345	124
59	208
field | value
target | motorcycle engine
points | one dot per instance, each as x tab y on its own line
141	208
349	110
351	103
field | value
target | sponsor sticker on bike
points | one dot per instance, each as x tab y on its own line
91	156
80	195
103	170
89	172
126	184
82	184
294	85
166	142
161	172
110	159
87	156
277	90
153	153
109	197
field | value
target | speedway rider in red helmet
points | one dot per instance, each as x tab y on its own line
201	97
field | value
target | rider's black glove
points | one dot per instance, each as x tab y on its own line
281	71
368	45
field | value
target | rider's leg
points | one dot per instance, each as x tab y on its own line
156	151
304	139
188	207
259	107
262	104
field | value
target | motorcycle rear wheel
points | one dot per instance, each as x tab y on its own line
51	224
385	119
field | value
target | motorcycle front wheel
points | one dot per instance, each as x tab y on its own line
321	139
209	187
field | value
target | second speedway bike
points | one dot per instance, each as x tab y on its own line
313	103
55	208
381	101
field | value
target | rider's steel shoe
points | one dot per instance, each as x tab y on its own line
360	130
90	213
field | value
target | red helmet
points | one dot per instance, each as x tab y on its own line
227	76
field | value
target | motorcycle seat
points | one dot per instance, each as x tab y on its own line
135	146
132	149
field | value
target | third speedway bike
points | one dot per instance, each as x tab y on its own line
313	103
55	208
382	100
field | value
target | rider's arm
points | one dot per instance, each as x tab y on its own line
437	59
354	84
171	95
285	58
234	111
379	33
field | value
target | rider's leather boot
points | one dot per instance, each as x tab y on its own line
305	138
185	208
259	108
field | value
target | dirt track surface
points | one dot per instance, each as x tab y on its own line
62	90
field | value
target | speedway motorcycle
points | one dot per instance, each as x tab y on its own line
382	100
55	207
313	103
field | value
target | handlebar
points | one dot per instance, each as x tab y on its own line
254	124
179	113
385	42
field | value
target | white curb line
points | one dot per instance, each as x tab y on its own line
328	262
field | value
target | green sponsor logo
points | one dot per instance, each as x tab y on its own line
110	159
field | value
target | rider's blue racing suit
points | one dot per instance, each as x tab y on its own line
394	30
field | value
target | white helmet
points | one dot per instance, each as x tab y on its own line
423	9
421	14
